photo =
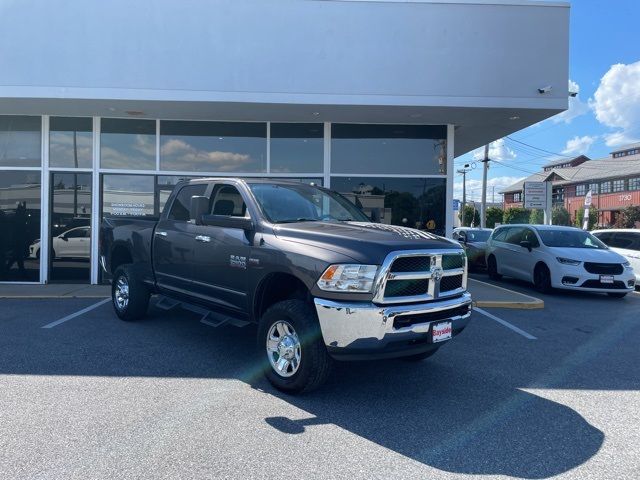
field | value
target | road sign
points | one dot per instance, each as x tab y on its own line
456	204
535	195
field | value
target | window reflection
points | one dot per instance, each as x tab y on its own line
128	144
128	195
297	147
410	202
213	146
19	225
70	142
388	149
20	141
70	217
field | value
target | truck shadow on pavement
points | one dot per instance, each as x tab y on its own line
453	412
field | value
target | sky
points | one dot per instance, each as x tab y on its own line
604	67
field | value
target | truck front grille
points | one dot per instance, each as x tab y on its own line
422	275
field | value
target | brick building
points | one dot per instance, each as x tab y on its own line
614	182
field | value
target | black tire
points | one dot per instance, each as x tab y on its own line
617	294
420	356
542	279
315	363
492	268
137	301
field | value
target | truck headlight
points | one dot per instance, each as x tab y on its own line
348	278
568	261
627	265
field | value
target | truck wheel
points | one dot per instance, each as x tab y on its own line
420	356
129	295
289	334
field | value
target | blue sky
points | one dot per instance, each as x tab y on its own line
606	113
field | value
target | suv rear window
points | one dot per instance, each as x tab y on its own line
500	234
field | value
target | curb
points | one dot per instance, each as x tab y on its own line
532	304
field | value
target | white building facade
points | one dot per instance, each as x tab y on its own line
105	105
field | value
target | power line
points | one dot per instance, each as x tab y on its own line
541	149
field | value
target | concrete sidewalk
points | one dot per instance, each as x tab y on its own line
483	294
54	290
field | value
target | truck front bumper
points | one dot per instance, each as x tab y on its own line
363	330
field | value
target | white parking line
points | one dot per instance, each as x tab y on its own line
76	314
505	323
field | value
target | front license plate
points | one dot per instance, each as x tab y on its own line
606	278
441	332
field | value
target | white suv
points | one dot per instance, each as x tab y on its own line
558	257
626	242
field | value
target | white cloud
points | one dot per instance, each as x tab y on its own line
474	188
576	107
616	103
497	151
578	145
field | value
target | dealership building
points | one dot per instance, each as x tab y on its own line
104	106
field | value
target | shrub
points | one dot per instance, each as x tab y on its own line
561	216
536	217
471	215
494	215
516	215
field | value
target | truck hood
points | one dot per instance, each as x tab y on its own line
362	241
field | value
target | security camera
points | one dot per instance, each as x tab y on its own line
543	90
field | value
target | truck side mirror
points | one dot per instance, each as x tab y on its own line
198	207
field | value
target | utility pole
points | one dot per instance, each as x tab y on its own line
485	167
464	171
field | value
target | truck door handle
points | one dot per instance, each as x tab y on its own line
203	238
162	234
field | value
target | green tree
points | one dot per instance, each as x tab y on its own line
516	215
494	215
561	216
593	218
628	217
536	217
471	215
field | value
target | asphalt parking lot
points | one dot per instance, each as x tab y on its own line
170	397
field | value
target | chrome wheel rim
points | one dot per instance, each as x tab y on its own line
283	349
121	294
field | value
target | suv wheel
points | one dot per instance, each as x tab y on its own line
289	334
129	295
492	268
542	279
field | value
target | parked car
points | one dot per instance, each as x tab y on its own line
74	243
321	281
626	242
474	242
558	257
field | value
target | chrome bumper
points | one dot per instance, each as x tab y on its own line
366	326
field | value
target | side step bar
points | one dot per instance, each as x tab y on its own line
209	317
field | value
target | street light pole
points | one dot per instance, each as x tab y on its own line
485	167
464	171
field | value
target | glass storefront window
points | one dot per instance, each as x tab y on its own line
388	149
19	226
127	195
70	227
213	146
410	202
297	147
70	142
128	144
20	141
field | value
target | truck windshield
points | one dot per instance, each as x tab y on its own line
570	239
287	203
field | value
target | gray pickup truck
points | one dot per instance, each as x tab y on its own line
322	282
